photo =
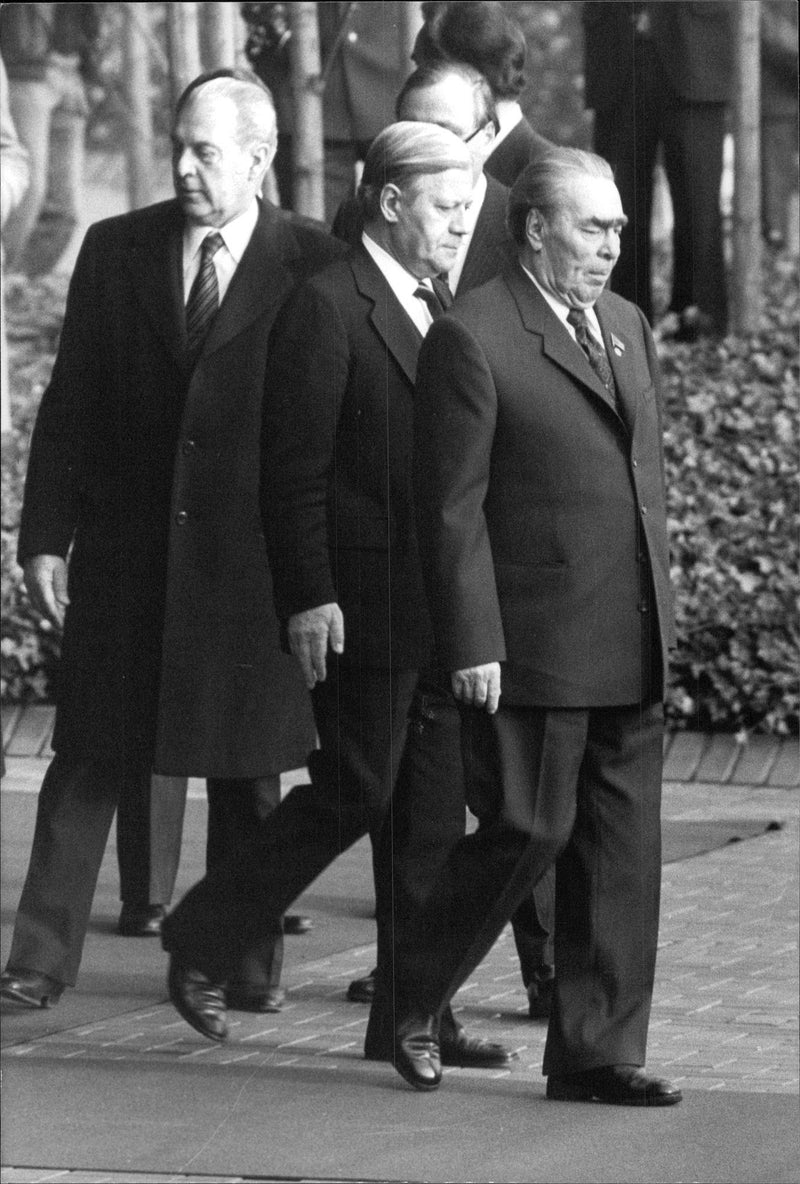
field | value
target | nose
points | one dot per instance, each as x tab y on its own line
458	223
183	162
609	248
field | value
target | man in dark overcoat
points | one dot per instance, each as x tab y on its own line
144	469
542	529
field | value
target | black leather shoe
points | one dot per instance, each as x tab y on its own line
362	990
540	997
30	988
621	1085
473	1052
198	1000
416	1052
295	923
270	999
141	920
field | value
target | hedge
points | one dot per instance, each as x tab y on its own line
731	457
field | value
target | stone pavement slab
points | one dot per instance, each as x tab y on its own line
112	1079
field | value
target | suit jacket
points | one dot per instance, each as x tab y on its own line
541	511
693	40
337	499
518	149
490	247
149	469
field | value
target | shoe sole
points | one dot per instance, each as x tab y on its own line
573	1094
30	1001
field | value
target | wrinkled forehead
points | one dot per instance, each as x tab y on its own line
451	185
589	197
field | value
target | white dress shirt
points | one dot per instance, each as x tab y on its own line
236	234
562	311
402	283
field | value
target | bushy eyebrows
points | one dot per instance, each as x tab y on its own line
608	223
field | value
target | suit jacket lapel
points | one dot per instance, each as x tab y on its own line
156	265
392	322
261	280
557	343
489	239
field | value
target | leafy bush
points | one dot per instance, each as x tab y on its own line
733	508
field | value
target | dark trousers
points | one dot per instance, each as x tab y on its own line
361	715
76	806
582	787
427	818
691	136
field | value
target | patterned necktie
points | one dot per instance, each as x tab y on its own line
593	350
203	299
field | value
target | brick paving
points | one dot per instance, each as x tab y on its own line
725	1011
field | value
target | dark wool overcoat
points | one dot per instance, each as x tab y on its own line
147	467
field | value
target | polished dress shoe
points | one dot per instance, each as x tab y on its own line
260	999
540	997
295	923
621	1085
473	1052
30	988
198	1000
416	1052
362	990
141	920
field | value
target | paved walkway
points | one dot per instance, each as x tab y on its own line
112	1079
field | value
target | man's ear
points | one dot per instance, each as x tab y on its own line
390	202
533	229
262	157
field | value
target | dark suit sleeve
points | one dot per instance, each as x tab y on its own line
56	467
455	410
305	381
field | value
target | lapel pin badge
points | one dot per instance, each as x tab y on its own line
619	346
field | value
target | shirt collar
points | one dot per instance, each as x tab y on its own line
399	280
561	309
509	114
236	234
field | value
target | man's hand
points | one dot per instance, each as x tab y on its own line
46	581
478	686
310	634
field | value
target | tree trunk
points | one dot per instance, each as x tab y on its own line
746	287
184	46
218	35
139	121
307	144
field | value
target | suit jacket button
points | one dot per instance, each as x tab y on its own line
189	446
643	606
644	509
635	463
181	517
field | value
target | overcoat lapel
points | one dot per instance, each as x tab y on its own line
557	344
621	359
260	282
156	265
390	319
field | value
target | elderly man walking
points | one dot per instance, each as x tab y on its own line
542	529
340	528
145	463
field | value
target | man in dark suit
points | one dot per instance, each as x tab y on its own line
454	96
542	528
145	461
338	512
482	35
662	75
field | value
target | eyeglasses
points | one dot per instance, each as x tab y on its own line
472	135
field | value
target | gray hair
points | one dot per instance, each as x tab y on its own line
403	151
543	185
256	120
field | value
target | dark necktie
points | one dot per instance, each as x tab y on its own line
593	350
438	299
203	299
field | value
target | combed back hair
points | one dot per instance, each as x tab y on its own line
482	34
256	111
403	151
543	185
432	73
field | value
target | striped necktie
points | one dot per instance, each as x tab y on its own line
438	299
593	350
203	302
